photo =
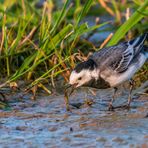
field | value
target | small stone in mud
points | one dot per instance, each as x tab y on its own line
146	136
79	135
89	102
101	139
21	128
19	140
76	105
132	146
52	129
40	129
144	145
146	116
71	129
129	138
66	139
119	140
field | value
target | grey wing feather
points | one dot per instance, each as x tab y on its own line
133	48
109	57
118	57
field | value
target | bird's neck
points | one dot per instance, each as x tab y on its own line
95	74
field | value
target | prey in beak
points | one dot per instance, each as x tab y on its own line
69	89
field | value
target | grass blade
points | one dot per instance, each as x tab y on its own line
84	11
136	17
60	17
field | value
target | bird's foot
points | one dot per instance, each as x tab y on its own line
110	107
127	106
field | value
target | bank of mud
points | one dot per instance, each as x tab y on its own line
46	123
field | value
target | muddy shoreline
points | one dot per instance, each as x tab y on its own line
46	123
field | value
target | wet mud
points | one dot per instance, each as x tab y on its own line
46	123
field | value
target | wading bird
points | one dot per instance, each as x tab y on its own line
111	66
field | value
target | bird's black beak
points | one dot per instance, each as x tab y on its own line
71	85
68	86
74	85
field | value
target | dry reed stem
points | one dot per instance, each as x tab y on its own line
24	8
106	40
3	34
28	37
104	5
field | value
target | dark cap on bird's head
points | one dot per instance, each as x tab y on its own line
83	73
86	65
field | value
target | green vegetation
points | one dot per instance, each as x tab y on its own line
39	44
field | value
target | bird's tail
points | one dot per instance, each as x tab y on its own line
145	51
137	43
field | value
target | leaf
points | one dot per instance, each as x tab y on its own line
134	19
60	17
9	3
89	29
84	11
60	36
26	66
83	28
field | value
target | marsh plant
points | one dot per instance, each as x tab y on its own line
42	40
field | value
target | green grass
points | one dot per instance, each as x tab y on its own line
41	44
141	12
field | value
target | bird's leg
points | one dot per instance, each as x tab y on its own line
129	96
110	107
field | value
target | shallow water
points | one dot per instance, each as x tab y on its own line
46	123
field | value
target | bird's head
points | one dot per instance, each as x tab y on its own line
83	73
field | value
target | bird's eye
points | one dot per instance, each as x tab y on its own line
79	78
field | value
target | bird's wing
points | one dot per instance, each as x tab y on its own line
133	48
118	57
110	57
